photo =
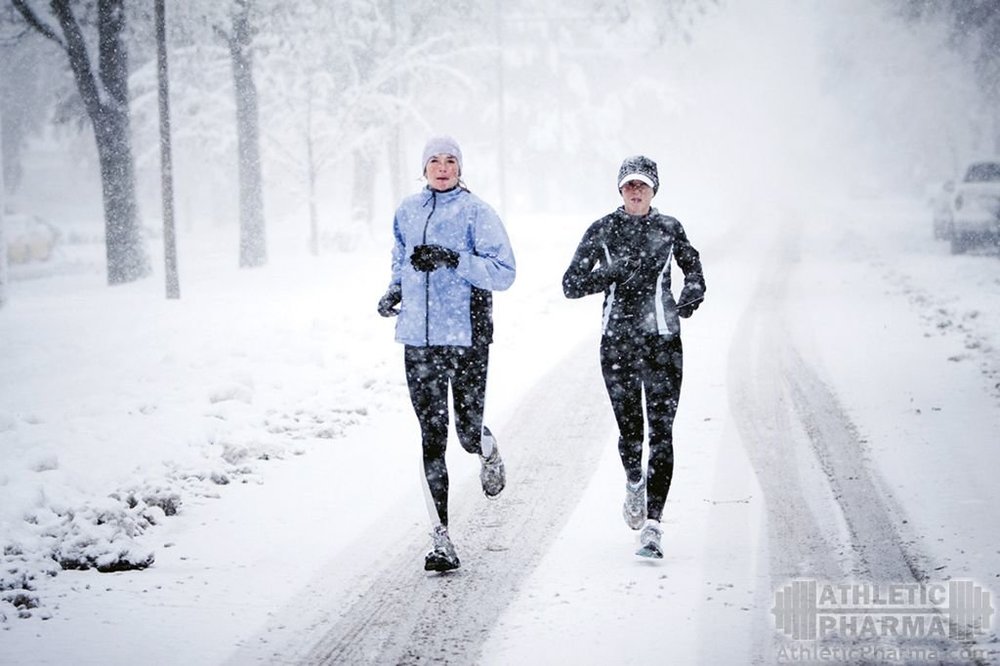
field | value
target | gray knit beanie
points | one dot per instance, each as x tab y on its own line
641	168
442	145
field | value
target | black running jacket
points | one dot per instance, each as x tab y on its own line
628	258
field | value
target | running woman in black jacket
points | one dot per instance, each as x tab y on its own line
627	255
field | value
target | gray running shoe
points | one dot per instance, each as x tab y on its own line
493	476
443	557
649	538
634	509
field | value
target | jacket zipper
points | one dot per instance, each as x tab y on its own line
427	276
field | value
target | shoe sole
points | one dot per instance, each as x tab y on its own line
495	494
651	553
503	474
440	566
499	490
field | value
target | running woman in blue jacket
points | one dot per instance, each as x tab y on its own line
451	252
627	255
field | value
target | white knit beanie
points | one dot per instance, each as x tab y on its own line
442	145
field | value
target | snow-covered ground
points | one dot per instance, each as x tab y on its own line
254	445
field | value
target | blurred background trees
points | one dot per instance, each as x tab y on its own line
311	115
974	31
101	74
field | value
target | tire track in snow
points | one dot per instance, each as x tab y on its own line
873	518
551	447
766	420
830	516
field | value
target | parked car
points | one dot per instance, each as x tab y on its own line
975	206
939	199
28	238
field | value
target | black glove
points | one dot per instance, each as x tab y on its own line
426	258
387	304
691	297
622	270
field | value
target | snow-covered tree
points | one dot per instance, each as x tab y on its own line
214	61
28	70
338	83
975	32
105	96
239	40
203	111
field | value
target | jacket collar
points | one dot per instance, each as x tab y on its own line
442	197
621	215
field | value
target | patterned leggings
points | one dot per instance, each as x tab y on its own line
655	364
429	371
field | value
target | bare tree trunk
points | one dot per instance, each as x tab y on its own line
109	114
127	260
166	159
311	175
501	111
253	244
363	194
394	148
363	188
3	243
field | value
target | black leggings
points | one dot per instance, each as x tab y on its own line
655	364
429	370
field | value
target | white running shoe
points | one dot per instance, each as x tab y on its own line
649	537
443	557
634	509
493	476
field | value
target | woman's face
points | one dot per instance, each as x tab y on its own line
637	196
442	172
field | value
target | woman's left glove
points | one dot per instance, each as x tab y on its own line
426	258
387	304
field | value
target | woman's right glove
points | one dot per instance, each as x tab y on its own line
623	270
387	304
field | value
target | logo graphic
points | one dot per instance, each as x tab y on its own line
811	610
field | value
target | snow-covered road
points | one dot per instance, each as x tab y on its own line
837	423
831	516
406	616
